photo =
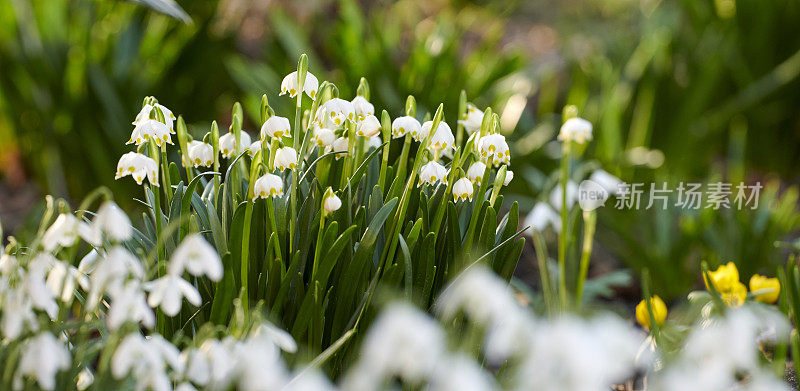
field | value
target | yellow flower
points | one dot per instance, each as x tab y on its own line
771	288
735	296
724	278
659	311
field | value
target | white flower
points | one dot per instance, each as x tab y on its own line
340	146
276	336
43	356
509	177
275	127
310	86
17	312
494	146
461	373
200	154
473	119
109	272
137	166
128	304
84	380
228	147
572	195
463	190
150	130
431	173
481	294
323	137
268	185
254	147
146	359
144	115
113	221
334	113
475	172
331	202
576	129
607	181
374	142
196	256
309	379
369	126
63	279
541	216
362	108
443	138
65	232
285	157
405	124
212	365
168	292
259	364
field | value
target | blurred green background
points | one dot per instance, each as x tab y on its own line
679	91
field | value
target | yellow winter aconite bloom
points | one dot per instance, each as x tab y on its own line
735	296
724	278
659	311
771	288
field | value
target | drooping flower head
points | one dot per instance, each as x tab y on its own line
369	126
442	139
275	127
201	154
576	129
403	125
196	256
228	147
310	86
150	129
333	113
146	113
286	157
268	185
432	172
340	146
323	137
475	172
331	202
362	108
494	149
137	166
472	120
463	190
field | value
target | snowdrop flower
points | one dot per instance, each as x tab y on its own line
340	146
607	181
63	279
254	148
542	216
473	119
146	359
475	172
323	137
212	365
128	304
334	112
369	126
269	185
480	294
443	138
310	86
275	127
43	356
150	129
576	129
109	272
168	292
200	154
403	125
330	202
509	177
137	166
463	190
196	256
111	220
144	115
494	146
65	232
572	195
228	147
362	108
431	173
285	157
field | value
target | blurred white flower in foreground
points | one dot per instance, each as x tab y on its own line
128	304
64	232
111	220
196	256
43	356
572	195
576	129
138	166
607	181
63	279
168	293
310	86
146	360
542	216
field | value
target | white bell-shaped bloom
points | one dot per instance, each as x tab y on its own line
269	185
200	154
128	304
310	86
196	256
259	365
463	190
66	230
340	146
331	202
405	124
112	221
108	272
286	157
369	126
473	119
494	149
18	314
443	138
212	365
63	279
362	108
146	359
275	127
254	148
576	129
508	178
145	114
168	292
431	173
374	142
228	147
137	166
333	113
542	216
150	129
43	356
424	131
323	137
475	172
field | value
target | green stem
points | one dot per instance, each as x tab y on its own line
301	156
476	208
544	271
563	235
589	223
165	168
318	248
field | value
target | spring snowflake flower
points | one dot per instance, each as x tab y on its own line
542	216
254	148
340	146
310	86
323	137
309	379
331	202
213	364
84	380
111	220
362	108
200	154
138	166
425	130
286	157
576	129
43	356
259	365
128	304
607	181
66	230
463	190
63	279
144	115
494	149
196	256
109	272
275	127
146	359
475	172
150	129
334	113
659	311
443	138
431	173
473	119
168	292
269	185
765	289
228	147
403	125
572	195
18	314
369	126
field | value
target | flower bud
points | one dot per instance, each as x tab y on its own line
369	126
330	202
